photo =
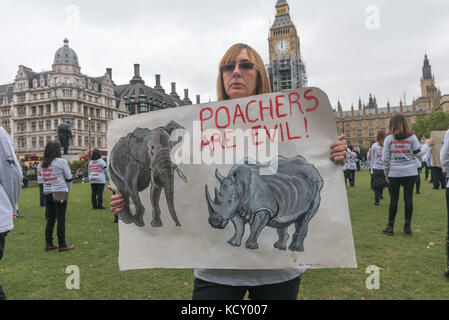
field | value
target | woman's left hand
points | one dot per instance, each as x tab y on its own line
338	150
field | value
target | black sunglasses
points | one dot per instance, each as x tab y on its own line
244	66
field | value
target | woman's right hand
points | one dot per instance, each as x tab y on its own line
117	201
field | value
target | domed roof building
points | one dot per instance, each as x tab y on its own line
33	106
66	54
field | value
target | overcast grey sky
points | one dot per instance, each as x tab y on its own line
351	47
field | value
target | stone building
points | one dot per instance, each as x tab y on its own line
136	97
32	107
286	68
361	124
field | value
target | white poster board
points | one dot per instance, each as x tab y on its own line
293	214
437	137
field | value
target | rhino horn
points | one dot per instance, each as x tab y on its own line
217	196
214	208
219	176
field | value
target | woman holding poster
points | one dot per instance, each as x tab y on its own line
242	74
399	154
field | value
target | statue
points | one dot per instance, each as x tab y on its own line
65	135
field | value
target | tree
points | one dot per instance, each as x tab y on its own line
75	165
436	121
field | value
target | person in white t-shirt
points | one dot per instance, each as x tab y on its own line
378	176
10	189
351	166
57	179
399	154
98	174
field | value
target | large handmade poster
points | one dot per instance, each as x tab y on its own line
236	184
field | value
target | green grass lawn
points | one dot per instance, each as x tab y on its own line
411	267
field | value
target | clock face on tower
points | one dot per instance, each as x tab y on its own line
281	46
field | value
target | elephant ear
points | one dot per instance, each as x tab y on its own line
172	126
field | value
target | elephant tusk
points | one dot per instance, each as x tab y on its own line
181	175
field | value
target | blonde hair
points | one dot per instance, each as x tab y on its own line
263	83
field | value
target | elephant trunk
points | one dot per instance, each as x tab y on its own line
169	187
163	176
165	172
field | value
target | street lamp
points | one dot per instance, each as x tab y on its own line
90	149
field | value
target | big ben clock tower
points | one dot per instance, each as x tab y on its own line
286	69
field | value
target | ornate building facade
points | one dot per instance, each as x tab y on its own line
32	107
286	68
362	124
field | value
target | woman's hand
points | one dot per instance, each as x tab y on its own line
117	201
338	150
387	179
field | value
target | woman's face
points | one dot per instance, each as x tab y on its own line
240	82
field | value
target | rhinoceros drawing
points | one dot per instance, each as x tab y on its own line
140	159
290	196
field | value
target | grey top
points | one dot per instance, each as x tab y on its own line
10	181
376	157
97	171
399	156
57	177
234	277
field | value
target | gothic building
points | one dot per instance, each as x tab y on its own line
32	107
362	124
136	97
286	68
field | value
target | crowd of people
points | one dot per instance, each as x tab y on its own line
55	180
397	160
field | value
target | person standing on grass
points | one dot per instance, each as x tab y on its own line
418	177
242	74
57	184
10	189
40	182
370	165
399	154
98	174
351	165
378	176
436	176
424	164
444	158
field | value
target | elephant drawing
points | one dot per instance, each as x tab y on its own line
289	196
139	160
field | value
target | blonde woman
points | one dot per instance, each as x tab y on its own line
242	73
